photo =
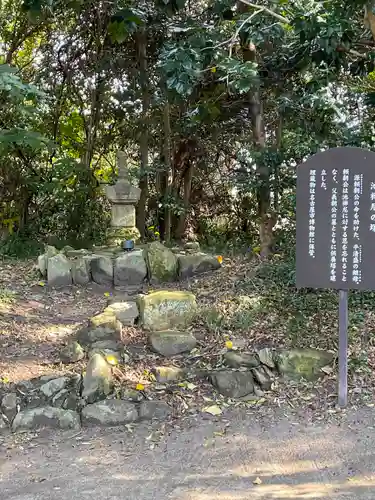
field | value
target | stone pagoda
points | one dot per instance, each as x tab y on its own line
123	197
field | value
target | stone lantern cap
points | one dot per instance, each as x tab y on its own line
123	192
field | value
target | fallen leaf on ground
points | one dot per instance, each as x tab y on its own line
140	387
112	360
212	410
327	370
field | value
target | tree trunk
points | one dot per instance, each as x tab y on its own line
143	139
369	18
266	220
181	224
168	172
276	185
23	208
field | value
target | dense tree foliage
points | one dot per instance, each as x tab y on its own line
215	103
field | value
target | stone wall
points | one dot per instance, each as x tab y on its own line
114	267
98	394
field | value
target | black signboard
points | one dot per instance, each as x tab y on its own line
336	220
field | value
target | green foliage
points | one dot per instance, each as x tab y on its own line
20	246
125	23
84	79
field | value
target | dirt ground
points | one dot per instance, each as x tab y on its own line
296	446
239	456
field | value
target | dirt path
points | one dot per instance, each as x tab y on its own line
294	459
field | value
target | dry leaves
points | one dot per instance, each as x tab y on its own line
213	410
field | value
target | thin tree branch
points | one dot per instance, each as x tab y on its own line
282	19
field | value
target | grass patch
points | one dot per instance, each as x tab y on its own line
260	302
308	316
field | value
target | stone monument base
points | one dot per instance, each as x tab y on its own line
116	235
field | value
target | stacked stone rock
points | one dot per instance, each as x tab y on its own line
68	401
65	402
111	266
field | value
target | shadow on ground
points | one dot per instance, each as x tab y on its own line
293	460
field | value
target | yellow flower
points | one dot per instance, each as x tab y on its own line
112	360
220	259
229	344
140	387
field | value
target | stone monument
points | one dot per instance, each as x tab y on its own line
123	197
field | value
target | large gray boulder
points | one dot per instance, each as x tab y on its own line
172	342
98	380
263	377
161	262
102	270
46	416
196	263
125	312
59	271
233	384
81	271
53	386
104	326
50	251
236	359
110	413
267	357
166	310
130	269
154	410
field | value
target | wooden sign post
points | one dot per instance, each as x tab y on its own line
336	231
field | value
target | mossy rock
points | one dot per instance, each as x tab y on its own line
116	235
236	359
166	310
302	363
105	319
98	380
233	384
172	342
196	263
161	262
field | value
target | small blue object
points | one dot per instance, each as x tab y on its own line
128	245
